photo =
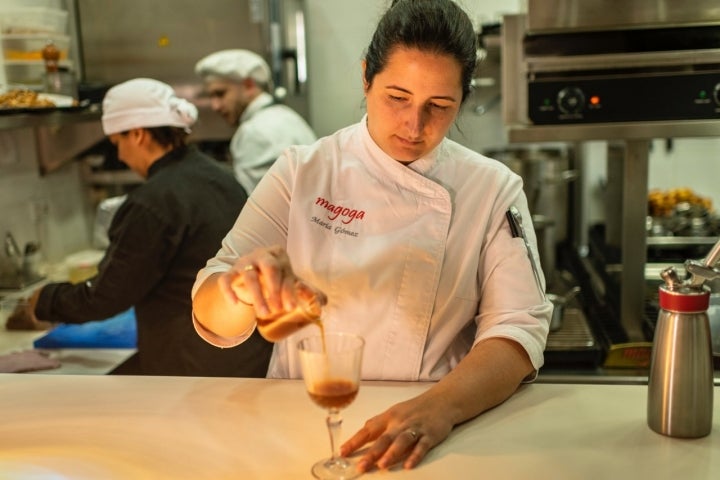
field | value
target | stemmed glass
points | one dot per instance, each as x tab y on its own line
330	366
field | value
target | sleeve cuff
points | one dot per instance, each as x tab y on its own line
217	340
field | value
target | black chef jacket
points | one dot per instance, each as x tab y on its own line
159	238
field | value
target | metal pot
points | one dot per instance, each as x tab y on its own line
559	303
545	173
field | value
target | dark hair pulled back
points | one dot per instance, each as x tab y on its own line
174	137
435	26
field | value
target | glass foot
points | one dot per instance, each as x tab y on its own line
335	469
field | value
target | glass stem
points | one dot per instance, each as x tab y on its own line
334	424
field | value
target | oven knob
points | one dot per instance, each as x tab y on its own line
571	100
716	94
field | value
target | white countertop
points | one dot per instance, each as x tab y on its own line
121	427
72	360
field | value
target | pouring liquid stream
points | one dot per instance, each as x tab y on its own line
329	392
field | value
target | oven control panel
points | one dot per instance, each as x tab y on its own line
624	98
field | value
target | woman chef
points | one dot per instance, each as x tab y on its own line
405	232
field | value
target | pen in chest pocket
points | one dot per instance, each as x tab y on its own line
516	228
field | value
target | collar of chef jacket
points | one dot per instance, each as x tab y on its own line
261	101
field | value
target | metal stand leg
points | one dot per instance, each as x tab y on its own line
629	174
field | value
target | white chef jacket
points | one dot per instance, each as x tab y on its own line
417	259
266	129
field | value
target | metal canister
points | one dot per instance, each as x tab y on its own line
680	385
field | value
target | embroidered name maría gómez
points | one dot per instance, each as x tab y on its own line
347	214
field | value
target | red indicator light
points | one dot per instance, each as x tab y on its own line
594	100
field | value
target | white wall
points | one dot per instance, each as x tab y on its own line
338	33
51	210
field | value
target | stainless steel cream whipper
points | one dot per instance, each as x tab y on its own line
680	384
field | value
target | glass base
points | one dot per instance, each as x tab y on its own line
335	469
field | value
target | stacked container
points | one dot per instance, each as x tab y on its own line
26	27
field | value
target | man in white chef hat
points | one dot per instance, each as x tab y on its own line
239	84
159	238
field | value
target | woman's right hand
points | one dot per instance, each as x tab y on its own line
265	280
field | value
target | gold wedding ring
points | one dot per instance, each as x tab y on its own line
413	434
248	268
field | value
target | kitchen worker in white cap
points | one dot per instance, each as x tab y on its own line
238	83
158	239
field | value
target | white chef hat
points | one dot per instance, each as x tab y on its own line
234	65
144	103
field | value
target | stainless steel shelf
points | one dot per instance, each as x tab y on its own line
680	241
600	376
54	118
614	131
60	135
120	177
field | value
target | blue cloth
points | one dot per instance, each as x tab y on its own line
119	331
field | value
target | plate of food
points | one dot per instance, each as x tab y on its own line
59	101
29	101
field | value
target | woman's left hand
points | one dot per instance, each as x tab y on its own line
404	433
